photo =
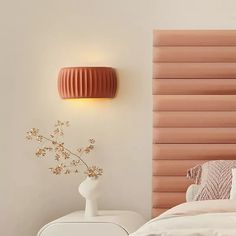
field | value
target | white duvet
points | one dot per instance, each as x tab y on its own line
200	218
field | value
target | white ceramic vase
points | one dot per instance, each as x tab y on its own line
90	190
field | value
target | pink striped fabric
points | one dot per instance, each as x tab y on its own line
215	178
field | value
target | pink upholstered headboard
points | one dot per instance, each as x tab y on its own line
194	113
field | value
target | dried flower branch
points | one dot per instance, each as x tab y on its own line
94	171
67	161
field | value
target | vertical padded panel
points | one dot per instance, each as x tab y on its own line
170	184
194	107
203	151
194	70
194	135
178	168
194	119
194	102
194	86
194	54
194	38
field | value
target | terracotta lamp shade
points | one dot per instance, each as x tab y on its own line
87	82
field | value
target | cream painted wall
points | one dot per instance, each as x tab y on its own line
37	39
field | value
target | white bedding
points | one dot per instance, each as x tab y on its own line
200	218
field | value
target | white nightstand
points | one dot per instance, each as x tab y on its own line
107	223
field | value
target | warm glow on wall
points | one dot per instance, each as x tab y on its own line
87	82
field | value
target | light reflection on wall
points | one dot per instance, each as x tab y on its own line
88	102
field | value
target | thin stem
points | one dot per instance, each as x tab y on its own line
69	152
78	157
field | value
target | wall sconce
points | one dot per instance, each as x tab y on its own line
87	82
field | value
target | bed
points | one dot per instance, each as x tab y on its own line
194	121
198	218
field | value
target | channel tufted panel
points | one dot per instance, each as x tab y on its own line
194	107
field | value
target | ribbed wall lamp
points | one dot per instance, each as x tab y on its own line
87	82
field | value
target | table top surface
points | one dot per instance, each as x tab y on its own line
128	220
103	216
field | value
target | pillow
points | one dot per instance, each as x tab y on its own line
191	192
215	178
233	188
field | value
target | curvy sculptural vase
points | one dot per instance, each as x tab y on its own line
90	190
